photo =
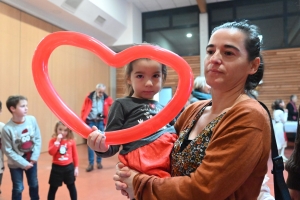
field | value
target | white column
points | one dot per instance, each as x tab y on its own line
203	34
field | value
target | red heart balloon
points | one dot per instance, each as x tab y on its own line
70	119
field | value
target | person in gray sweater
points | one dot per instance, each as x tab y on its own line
21	143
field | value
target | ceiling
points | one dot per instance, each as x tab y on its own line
107	21
153	5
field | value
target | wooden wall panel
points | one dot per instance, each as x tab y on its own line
9	20
32	30
74	72
9	55
281	78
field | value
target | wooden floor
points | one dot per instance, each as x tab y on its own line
97	184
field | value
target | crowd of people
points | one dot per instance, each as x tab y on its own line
21	143
218	147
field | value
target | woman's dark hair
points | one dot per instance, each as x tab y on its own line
276	104
253	47
129	69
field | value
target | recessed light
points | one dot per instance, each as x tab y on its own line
189	35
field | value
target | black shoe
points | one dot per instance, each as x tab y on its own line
89	168
99	166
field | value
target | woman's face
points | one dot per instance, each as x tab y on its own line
226	61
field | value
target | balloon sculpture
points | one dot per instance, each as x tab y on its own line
68	117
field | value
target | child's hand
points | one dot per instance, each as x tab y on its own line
59	137
76	171
32	161
96	140
28	166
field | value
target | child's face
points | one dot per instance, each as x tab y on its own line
146	78
62	129
21	109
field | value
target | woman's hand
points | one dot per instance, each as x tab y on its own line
295	194
124	180
96	140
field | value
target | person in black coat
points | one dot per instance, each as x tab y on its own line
292	108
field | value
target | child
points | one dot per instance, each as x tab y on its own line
280	117
21	143
65	161
1	153
151	155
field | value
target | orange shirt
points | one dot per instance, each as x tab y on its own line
64	153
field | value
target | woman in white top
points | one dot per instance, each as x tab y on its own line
280	117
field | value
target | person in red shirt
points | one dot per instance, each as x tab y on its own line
94	112
65	161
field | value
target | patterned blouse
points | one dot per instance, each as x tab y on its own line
186	160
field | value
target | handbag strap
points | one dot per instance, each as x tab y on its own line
280	188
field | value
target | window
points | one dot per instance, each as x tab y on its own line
169	29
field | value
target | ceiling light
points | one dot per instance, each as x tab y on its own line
189	35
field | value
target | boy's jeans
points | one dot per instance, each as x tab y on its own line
18	187
100	126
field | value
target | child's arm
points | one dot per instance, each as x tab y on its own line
115	121
8	150
75	158
37	141
96	141
53	146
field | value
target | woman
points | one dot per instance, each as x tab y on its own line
280	117
224	143
201	90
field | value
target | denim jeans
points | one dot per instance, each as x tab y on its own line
91	153
18	187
